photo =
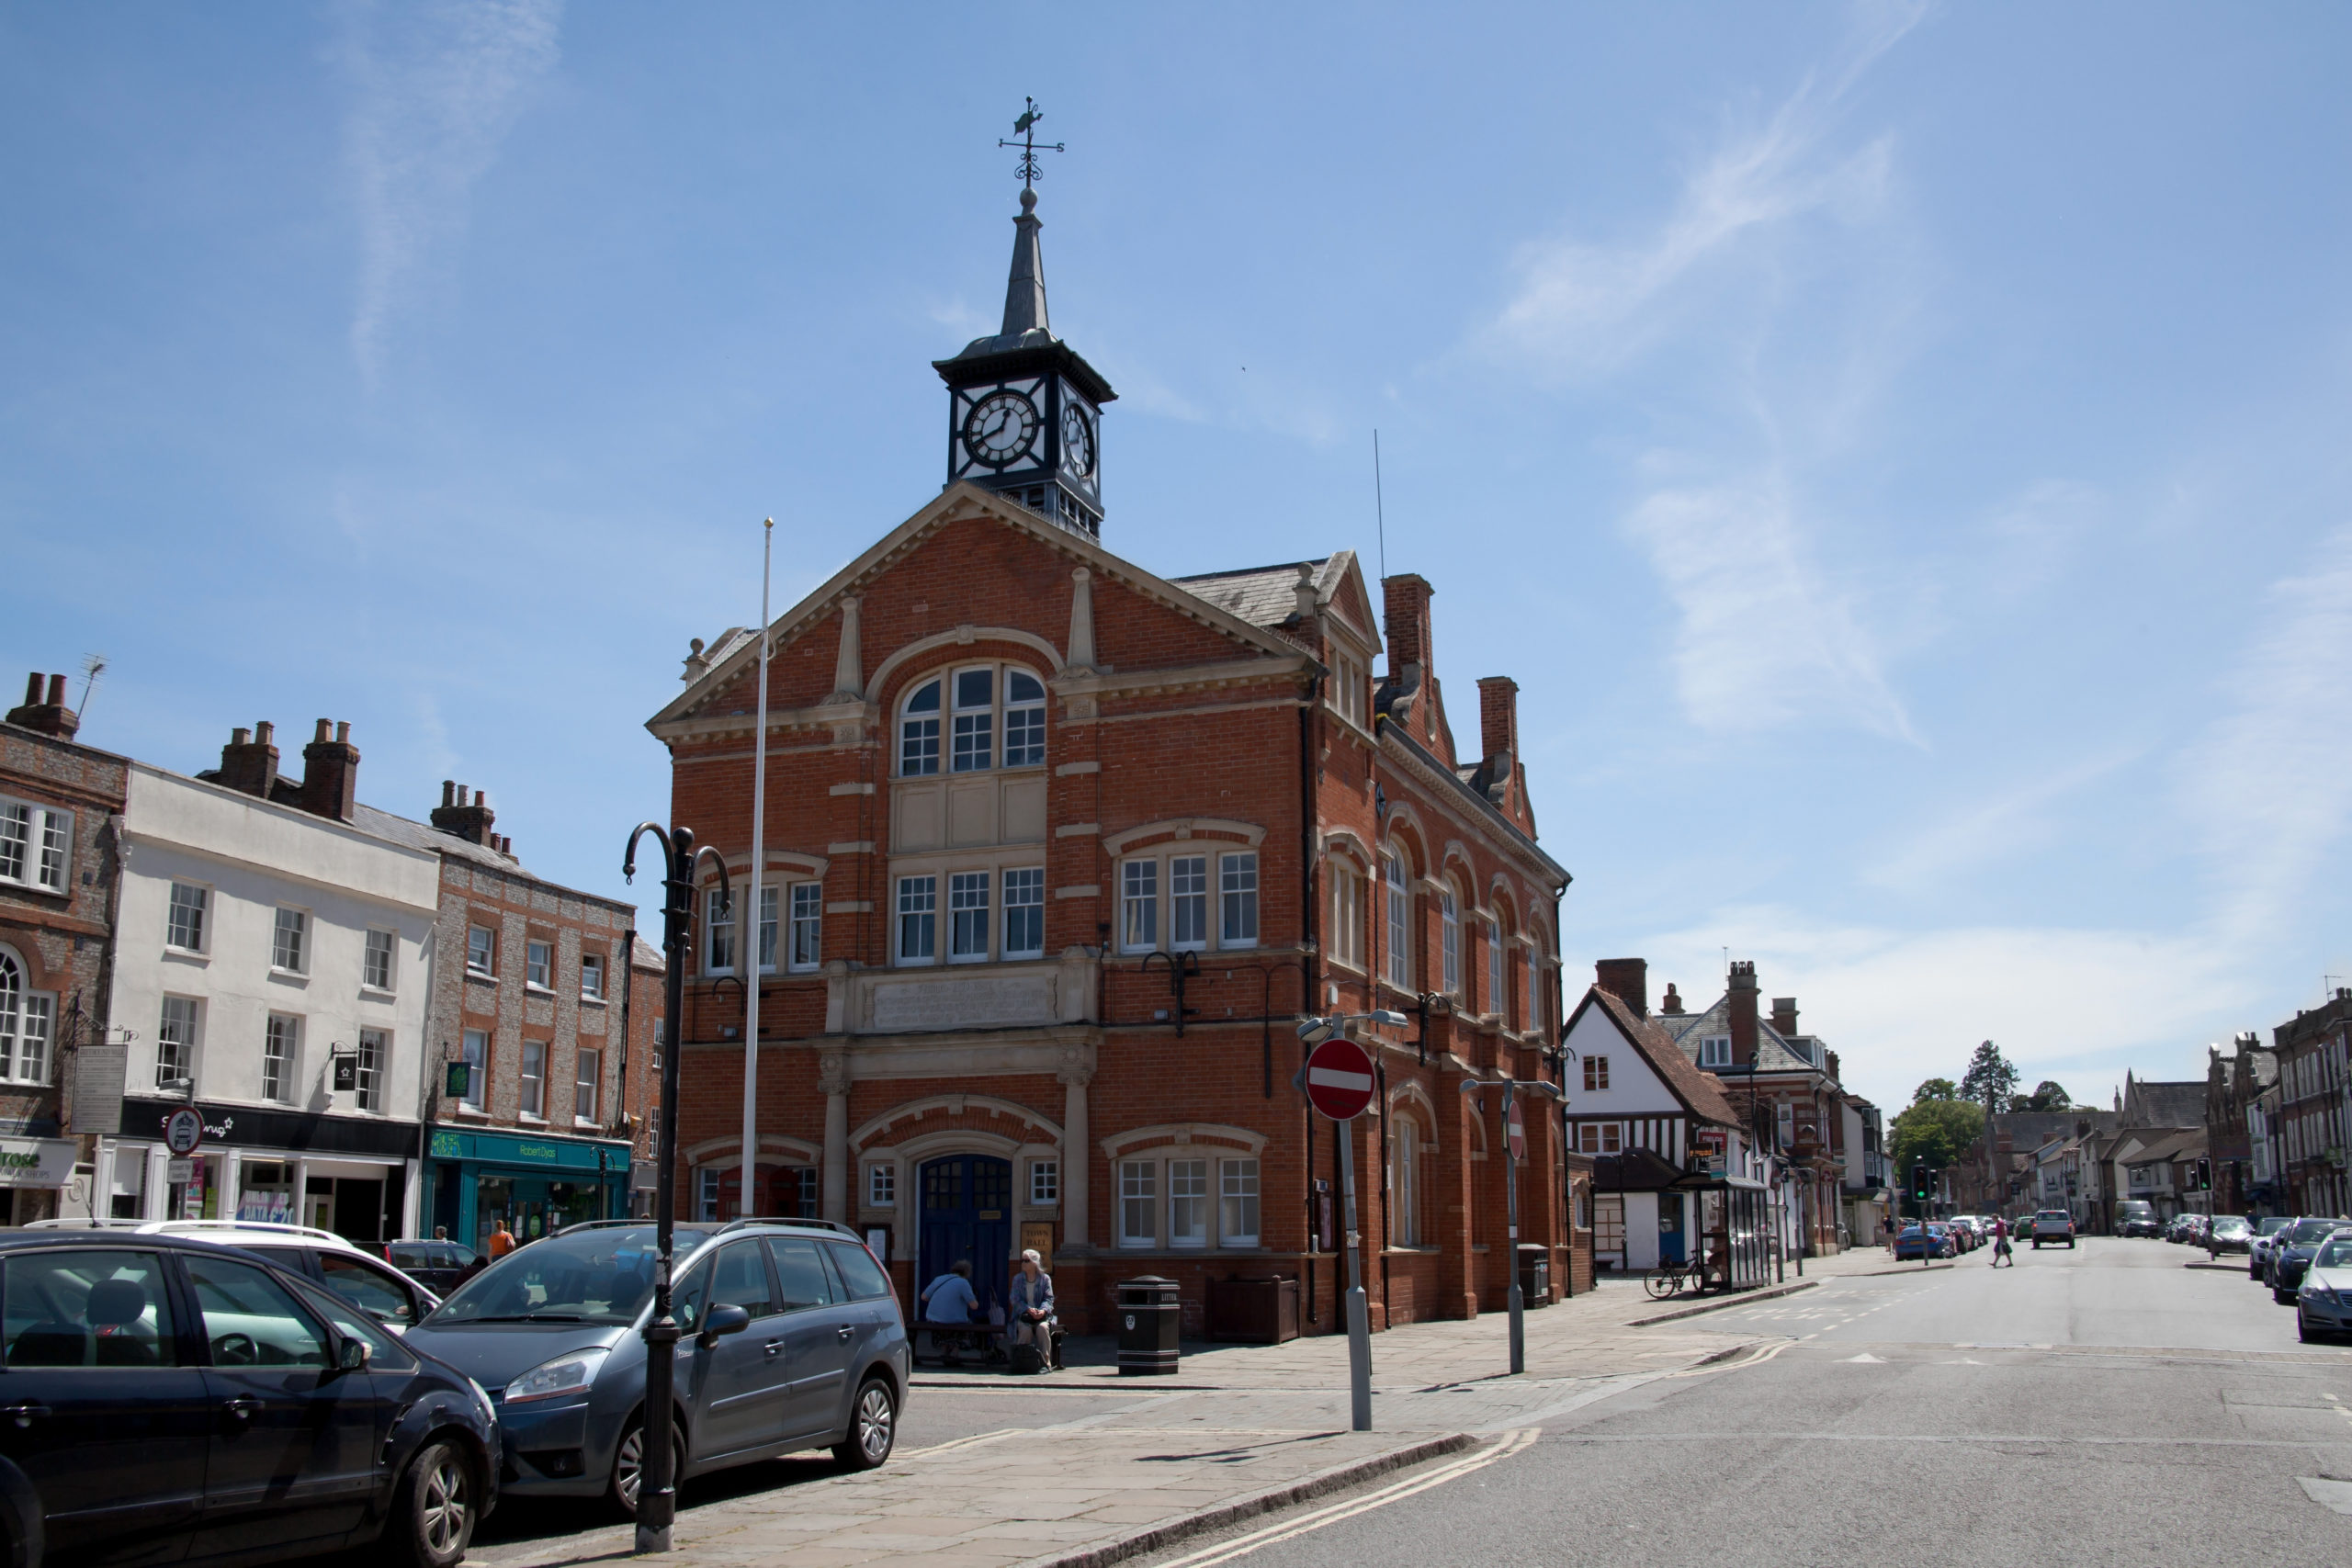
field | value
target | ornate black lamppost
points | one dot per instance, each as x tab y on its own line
657	1492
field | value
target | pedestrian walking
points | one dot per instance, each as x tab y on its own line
502	1241
2001	1247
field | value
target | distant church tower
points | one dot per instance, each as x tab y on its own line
1023	411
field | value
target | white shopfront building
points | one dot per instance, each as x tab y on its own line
264	952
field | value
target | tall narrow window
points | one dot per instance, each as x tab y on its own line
1404	1184
1596	1074
587	1076
1188	901
25	1019
374	1055
15	841
375	962
769	895
1024	719
719	933
918	733
592	976
1400	921
175	1040
289	941
918	918
1188	1203
1498	988
975	720
1139	906
1044	1182
1024	912
1237	900
1345	939
475	1053
280	1049
808	924
968	917
1237	1202
1450	941
185	930
482	953
1535	988
1138	1197
535	1078
539	965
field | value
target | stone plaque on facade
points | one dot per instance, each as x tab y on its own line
962	1003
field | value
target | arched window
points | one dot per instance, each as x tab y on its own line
1400	919
979	704
28	1020
1450	914
1404	1182
918	733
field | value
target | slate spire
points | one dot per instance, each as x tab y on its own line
1025	292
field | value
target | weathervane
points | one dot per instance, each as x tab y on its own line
1025	127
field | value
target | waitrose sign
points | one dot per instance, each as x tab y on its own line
35	1162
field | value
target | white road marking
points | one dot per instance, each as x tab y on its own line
1511	1443
2335	1495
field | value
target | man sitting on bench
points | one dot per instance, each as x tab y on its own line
948	1301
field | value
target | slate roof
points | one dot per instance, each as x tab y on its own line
1774	1053
423	836
2172	1146
2030	1128
643	954
2174	1104
1264	595
1703	1093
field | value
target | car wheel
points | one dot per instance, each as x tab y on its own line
629	1466
434	1511
873	1428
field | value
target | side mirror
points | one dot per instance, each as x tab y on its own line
722	1320
354	1356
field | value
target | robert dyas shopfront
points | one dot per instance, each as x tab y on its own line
537	1183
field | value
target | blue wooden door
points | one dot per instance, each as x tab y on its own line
968	1216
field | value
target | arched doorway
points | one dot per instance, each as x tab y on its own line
966	1214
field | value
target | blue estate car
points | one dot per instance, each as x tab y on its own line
790	1339
173	1400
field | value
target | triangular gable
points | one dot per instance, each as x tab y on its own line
1699	1093
958	502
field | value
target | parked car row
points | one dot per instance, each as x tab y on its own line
225	1393
2306	1263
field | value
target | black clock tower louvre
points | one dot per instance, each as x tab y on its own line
1023	411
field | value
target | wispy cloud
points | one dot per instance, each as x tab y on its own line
436	88
1989	833
2271	785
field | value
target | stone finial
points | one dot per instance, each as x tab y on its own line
697	666
1303	591
1081	659
849	673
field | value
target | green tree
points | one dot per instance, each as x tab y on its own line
1990	1078
1933	1131
2050	1096
1935	1088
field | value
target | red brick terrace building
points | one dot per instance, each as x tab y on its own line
1057	853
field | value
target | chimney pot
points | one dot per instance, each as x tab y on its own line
1741	1005
448	787
32	690
470	821
321	735
240	736
1672	1005
1784	1014
50	717
331	775
264	733
1498	716
57	690
249	762
343	734
1627	979
477	794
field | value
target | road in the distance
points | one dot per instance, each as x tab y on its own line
1913	1419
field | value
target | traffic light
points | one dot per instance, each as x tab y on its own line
2204	1174
1923	1182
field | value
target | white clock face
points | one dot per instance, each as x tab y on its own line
1000	427
1077	440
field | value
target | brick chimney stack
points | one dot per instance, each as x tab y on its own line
1672	1006
470	822
1742	1004
47	714
1407	621
1627	979
1784	1016
331	774
249	762
1498	716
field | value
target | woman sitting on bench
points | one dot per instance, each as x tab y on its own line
1029	1313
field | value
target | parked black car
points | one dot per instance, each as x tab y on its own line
792	1340
439	1266
2290	1254
169	1400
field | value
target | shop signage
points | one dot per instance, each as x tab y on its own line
508	1148
35	1162
444	1145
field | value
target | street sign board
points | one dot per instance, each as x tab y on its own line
1339	1078
184	1130
457	1079
1518	1136
179	1172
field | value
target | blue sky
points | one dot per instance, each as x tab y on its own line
1900	452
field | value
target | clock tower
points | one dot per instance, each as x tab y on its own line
1023	411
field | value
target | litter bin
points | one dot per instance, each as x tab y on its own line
1534	1275
1150	1315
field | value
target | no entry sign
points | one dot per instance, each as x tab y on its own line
1518	1136
1339	1078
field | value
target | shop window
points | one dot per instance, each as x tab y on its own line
268	1192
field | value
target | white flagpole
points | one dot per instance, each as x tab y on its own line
749	921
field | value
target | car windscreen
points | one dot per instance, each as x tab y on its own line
597	1276
2337	1253
2269	1224
2311	1233
2229	1224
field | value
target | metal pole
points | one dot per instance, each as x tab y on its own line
1511	1202
759	870
1358	1310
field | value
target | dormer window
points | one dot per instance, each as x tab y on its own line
1714	1051
979	704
